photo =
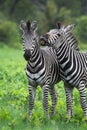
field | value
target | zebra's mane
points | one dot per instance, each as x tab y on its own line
28	24
67	32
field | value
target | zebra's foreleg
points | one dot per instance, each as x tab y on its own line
68	91
32	92
82	92
45	99
54	100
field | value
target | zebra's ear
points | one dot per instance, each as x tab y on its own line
60	25
22	25
34	25
70	27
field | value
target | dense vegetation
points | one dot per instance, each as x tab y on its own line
13	81
46	12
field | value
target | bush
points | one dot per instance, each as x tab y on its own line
9	33
81	28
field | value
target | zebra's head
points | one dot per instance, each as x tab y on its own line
30	37
54	36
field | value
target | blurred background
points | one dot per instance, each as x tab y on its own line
46	12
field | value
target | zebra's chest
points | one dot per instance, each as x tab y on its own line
35	75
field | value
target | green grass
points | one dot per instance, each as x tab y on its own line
82	46
14	99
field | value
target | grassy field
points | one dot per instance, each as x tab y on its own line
14	99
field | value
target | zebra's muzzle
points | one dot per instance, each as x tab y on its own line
43	40
27	55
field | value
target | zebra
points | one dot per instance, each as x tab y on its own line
72	64
42	67
72	42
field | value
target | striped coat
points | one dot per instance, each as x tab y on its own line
42	67
72	64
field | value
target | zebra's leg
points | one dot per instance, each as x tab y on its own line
68	91
82	92
54	100
32	92
45	99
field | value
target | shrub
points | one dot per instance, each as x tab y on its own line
9	33
81	28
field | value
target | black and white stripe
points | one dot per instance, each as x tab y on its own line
72	64
42	67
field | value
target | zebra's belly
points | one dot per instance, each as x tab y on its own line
42	80
39	81
68	80
72	81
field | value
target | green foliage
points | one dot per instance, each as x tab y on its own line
2	16
51	9
65	15
23	9
45	12
42	28
9	33
81	28
75	7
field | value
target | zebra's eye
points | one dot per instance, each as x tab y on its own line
58	34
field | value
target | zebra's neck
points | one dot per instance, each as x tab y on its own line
64	59
36	54
62	52
71	40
